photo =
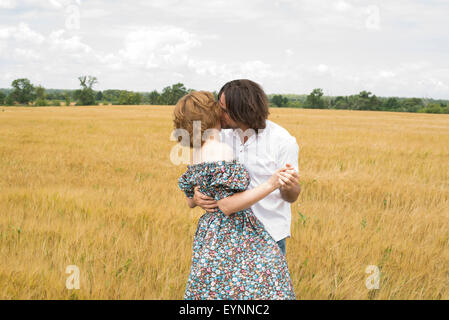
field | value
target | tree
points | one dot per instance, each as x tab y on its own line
314	100
111	95
86	96
154	97
365	94
392	104
99	96
137	98
374	103
40	96
171	95
433	108
411	105
2	98
67	98
23	91
123	99
9	101
129	98
363	101
293	104
279	101
341	103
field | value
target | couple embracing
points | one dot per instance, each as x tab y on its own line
244	174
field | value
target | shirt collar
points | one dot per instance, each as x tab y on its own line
235	131
251	138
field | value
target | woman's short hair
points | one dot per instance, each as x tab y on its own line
196	106
246	102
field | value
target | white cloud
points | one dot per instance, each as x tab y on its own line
21	33
110	60
253	69
386	74
322	68
5	33
56	3
289	52
73	44
24	40
7	4
342	6
27	54
158	47
218	11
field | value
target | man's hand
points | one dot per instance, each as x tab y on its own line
203	201
290	187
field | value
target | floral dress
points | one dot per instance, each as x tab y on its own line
233	257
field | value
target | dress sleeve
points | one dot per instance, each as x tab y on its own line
229	178
185	183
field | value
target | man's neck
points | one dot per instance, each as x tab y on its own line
243	135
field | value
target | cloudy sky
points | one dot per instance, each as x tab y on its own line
391	48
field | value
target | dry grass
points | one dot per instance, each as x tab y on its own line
94	187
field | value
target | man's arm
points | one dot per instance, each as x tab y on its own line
203	201
190	202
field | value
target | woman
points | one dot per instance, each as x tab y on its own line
234	257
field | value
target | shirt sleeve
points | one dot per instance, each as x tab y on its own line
288	153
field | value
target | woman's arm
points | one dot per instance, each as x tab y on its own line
243	200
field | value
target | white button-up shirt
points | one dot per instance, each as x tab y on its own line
262	155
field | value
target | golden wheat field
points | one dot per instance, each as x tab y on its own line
94	187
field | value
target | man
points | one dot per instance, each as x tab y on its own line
262	146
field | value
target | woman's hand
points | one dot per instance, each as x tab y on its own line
275	181
290	188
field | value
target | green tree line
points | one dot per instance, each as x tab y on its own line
23	92
365	100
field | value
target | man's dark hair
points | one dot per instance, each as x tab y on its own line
246	102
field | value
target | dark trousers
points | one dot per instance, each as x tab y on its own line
281	244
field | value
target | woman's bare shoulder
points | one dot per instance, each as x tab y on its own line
217	151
